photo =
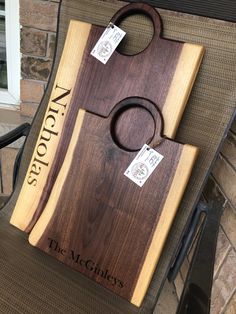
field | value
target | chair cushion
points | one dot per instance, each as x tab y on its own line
33	282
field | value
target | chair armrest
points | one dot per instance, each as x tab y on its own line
10	137
196	295
14	135
187	240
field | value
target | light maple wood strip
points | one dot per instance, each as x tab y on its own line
71	59
50	208
181	86
182	175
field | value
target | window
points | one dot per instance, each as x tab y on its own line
3	57
9	53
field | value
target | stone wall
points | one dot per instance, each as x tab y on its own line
222	184
38	34
39	20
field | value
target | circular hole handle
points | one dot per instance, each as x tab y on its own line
151	108
143	8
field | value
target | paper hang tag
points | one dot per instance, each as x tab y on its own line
143	165
107	43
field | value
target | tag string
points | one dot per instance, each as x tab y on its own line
158	142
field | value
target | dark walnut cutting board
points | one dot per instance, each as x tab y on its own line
97	220
164	73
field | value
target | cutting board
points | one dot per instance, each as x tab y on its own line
164	73
97	220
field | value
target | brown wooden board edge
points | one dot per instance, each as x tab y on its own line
179	183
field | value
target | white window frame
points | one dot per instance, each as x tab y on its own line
10	97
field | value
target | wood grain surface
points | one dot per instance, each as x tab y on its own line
164	73
99	222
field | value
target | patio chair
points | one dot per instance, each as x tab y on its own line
33	282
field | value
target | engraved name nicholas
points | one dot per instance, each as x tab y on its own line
55	111
85	263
